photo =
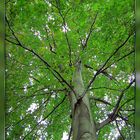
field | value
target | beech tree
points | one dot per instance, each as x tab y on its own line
70	69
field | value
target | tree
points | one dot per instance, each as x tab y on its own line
70	69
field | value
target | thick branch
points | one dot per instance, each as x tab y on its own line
55	73
100	70
121	96
103	70
113	115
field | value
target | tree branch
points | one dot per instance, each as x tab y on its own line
119	59
114	114
122	136
115	51
105	88
100	69
103	72
29	115
126	102
70	133
55	73
11	41
90	32
65	33
121	96
45	117
101	100
51	49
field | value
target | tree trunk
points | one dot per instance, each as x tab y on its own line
82	123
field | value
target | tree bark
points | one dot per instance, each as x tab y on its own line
82	123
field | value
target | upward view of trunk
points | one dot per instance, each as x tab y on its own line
82	123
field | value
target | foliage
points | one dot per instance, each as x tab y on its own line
57	32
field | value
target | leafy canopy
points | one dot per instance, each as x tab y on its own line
40	31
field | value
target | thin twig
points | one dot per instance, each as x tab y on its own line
65	33
100	100
119	59
100	69
122	136
70	133
29	115
45	117
96	88
55	73
90	32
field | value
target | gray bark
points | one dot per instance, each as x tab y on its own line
82	123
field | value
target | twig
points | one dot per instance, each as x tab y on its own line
101	100
126	102
122	136
96	88
65	33
114	114
90	32
28	115
119	59
55	73
51	49
115	51
45	117
100	69
70	133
